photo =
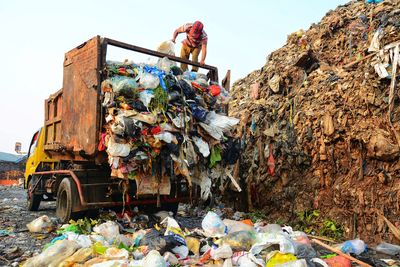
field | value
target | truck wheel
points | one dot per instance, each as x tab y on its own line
65	200
33	200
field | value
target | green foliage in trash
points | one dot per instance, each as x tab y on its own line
257	216
311	222
81	226
331	229
159	101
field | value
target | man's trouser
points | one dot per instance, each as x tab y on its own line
185	53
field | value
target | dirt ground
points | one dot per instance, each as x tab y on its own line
16	242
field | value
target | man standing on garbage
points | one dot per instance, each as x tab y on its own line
196	39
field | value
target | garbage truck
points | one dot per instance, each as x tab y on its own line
64	163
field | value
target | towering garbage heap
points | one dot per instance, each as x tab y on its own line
321	127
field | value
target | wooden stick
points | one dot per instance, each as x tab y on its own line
337	251
358	60
322	238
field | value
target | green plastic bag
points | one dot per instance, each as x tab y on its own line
215	156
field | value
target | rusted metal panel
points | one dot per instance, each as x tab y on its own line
52	125
80	116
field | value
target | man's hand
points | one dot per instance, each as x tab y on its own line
202	62
173	40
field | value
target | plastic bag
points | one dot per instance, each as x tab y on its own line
167	47
115	149
148	81
355	246
154	259
213	225
110	263
265	240
165	64
82	240
276	258
146	96
170	258
388	249
116	253
122	83
239	241
270	228
205	187
236	226
42	224
167	137
182	251
109	230
80	256
202	146
338	261
53	255
298	263
153	240
304	251
222	252
193	244
222	122
174	230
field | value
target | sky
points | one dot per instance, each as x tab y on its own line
36	34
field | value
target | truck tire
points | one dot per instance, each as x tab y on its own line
33	200
66	199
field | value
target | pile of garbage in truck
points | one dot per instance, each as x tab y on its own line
163	125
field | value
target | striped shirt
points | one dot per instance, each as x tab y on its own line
190	40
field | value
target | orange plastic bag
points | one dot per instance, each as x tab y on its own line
338	261
248	222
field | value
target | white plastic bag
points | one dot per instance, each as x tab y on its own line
167	47
148	81
109	230
222	122
40	225
53	255
146	96
182	251
165	64
170	258
298	263
116	253
213	225
154	259
222	252
115	149
236	226
82	240
264	240
202	146
167	137
205	186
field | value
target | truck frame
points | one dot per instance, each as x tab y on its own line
64	163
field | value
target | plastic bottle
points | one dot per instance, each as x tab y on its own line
355	246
